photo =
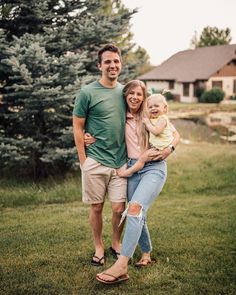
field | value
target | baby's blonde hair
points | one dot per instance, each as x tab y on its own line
160	98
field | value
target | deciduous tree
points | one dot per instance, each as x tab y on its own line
211	36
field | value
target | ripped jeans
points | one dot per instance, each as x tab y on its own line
144	187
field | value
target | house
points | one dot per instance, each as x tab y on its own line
185	72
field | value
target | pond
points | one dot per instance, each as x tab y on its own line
196	130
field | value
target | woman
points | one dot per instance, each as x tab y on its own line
143	186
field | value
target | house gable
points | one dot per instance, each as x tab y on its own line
228	70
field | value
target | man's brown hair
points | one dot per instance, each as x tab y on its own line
108	47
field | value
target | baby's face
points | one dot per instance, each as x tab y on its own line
156	107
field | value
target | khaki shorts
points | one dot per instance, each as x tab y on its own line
99	180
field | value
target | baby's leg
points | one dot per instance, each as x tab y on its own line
124	172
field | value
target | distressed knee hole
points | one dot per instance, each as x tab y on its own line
134	209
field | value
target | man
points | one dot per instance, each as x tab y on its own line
100	110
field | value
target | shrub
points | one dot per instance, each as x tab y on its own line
169	96
199	91
215	95
153	91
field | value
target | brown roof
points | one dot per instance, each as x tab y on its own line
193	64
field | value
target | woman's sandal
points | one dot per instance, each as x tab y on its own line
143	262
114	280
97	261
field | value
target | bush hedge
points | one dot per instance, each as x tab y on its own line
215	95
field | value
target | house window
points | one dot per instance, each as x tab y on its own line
234	90
186	89
171	84
217	84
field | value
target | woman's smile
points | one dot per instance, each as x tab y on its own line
135	98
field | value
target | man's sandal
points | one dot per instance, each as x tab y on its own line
114	253
97	261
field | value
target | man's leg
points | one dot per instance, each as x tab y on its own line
117	210
95	218
94	189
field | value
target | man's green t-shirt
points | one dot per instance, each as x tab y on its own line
104	110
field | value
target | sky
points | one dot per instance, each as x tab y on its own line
164	27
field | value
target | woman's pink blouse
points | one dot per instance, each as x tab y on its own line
131	138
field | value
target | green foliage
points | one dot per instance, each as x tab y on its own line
199	91
36	124
138	61
48	50
168	95
215	95
154	90
211	36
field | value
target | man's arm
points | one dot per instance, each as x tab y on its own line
78	130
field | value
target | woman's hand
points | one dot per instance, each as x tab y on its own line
148	155
88	139
162	155
154	155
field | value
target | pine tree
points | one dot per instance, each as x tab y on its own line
48	50
38	107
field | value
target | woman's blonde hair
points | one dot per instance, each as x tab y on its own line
142	133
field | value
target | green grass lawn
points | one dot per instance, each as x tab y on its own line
46	246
